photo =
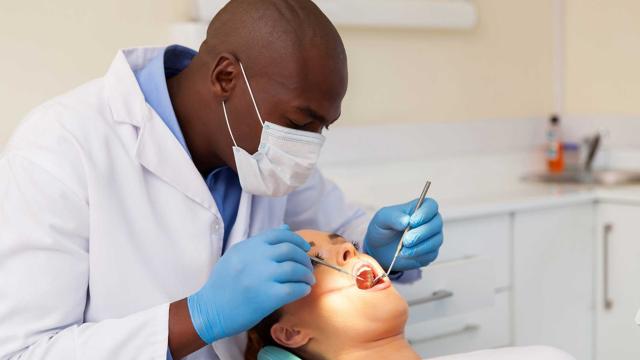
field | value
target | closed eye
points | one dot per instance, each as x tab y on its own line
317	255
356	245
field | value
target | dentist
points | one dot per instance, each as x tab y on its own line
142	214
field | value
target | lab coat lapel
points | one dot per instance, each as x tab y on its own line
160	152
157	149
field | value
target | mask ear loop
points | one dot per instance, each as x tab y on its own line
226	118
255	106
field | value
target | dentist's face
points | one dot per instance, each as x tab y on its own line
305	93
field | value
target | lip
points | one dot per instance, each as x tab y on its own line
382	284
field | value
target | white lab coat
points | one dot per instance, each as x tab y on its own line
104	221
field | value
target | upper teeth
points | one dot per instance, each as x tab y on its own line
363	269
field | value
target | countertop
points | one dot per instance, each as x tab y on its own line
468	187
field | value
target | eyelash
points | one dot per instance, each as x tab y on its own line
317	254
356	245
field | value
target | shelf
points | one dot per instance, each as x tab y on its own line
425	14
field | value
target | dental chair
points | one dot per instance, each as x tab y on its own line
523	353
275	353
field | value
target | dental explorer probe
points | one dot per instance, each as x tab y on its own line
427	185
322	262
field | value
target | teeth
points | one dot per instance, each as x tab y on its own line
370	273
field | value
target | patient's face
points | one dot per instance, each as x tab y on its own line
337	312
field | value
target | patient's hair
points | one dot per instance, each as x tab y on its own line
260	336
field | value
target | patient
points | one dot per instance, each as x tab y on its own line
347	319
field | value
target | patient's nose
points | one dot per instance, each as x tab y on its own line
345	252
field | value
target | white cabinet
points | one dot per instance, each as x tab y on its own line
488	236
481	329
618	282
462	301
553	278
450	288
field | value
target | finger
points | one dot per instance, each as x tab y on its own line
290	292
425	247
278	236
290	271
288	252
427	211
423	232
391	218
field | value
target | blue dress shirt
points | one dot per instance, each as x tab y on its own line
223	182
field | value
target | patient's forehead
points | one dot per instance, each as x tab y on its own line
320	238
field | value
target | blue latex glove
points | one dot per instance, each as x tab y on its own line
253	279
422	242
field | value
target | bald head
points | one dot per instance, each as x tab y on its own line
263	33
295	63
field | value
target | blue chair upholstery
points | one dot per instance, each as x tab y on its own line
275	353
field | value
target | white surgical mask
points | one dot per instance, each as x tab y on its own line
284	161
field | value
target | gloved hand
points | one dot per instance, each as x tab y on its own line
420	245
251	280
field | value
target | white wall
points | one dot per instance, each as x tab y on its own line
51	46
603	58
500	70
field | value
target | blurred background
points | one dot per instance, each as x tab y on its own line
542	216
501	68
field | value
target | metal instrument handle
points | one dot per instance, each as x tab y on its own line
608	302
423	194
463	330
435	296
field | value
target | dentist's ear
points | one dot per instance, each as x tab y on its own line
289	336
225	75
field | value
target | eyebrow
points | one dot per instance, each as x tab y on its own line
313	114
335	236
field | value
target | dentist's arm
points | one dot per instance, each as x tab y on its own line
44	272
44	279
253	279
320	204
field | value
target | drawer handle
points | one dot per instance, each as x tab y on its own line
463	330
608	302
435	296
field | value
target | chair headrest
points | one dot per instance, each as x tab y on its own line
275	353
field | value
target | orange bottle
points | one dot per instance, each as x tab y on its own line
554	153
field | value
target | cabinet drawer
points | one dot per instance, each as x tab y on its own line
486	236
482	329
450	288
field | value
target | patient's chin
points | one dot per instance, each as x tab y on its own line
386	319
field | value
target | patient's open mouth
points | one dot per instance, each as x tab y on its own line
366	274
